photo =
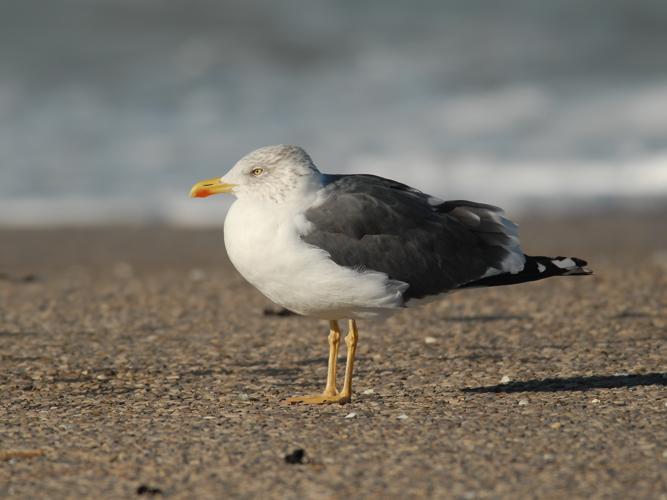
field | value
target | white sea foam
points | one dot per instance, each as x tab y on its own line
514	186
117	128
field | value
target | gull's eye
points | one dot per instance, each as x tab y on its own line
257	171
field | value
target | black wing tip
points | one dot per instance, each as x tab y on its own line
536	268
579	269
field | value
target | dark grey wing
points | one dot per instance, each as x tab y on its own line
368	222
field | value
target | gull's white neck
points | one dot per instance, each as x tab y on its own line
263	241
261	234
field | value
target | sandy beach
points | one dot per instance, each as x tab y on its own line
135	361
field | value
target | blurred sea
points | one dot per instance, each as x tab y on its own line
111	109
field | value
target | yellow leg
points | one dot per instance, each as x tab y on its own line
331	394
351	343
334	341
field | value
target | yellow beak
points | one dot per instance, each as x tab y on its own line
212	186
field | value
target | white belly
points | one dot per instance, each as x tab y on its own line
265	247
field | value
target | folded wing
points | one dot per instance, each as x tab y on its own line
368	222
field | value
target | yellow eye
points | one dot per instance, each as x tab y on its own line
257	171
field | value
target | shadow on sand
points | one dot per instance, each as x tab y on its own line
484	318
575	383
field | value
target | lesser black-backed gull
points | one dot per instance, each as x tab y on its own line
361	246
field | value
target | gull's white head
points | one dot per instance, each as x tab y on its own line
271	173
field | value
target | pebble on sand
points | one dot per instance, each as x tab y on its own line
430	340
350	415
296	457
505	380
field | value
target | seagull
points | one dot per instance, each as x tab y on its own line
351	247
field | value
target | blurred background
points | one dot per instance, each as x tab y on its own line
112	109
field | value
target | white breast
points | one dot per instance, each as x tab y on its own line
264	244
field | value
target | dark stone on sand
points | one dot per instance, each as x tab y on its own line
296	457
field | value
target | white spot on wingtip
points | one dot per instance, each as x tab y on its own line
564	263
541	267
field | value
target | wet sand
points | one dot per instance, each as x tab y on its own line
136	361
